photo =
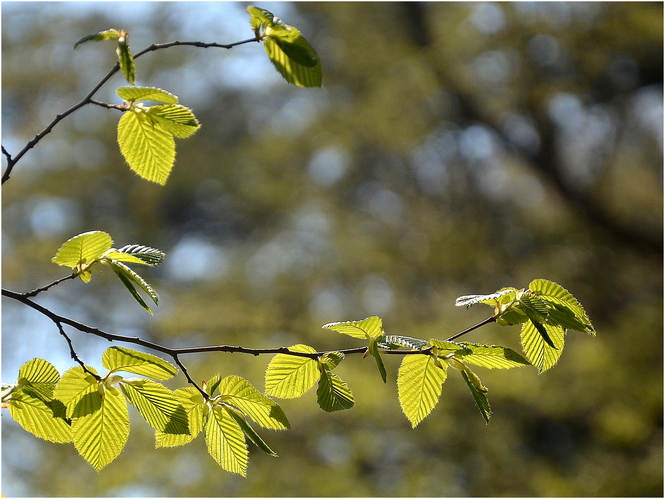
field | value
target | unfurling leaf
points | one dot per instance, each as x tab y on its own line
109	34
288	50
479	392
125	58
366	329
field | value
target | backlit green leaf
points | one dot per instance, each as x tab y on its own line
101	435
565	310
83	250
125	59
174	119
419	385
239	393
149	256
78	390
137	94
374	351
479	392
157	404
109	34
144	364
536	349
251	434
333	394
365	329
289	376
226	441
44	419
192	402
491	356
128	277
149	150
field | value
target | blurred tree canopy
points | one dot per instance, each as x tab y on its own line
454	148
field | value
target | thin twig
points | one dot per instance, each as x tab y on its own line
469	329
35	292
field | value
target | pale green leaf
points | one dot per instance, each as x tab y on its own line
469	300
331	360
192	402
147	255
479	392
127	276
44	419
40	375
444	347
79	391
83	250
174	119
148	149
239	393
225	441
290	376
536	349
136	94
565	310
213	384
491	356
259	17
333	394
292	71
157	404
100	436
109	34
144	364
365	329
251	434
419	385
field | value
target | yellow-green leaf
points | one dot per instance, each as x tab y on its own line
109	34
177	120
144	364
149	150
491	356
125	58
333	394
157	404
192	402
372	327
79	391
136	94
419	385
239	393
226	441
39	417
536	349
290	376
100	436
82	251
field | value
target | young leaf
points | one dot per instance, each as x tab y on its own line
136	94
127	275
101	435
333	394
177	120
193	404
565	310
144	364
82	251
469	300
149	150
212	385
40	375
289	376
157	404
125	58
109	34
287	48
374	351
239	393
372	327
226	441
147	255
79	391
537	350
419	384
491	356
479	392
251	434
331	360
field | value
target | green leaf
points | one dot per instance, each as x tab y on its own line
125	59
365	329
40	375
444	347
536	349
174	119
157	404
79	391
396	341
289	376
239	393
491	299
127	275
109	34
491	356
101	435
194	405
82	251
331	360
374	351
147	255
479	392
333	394
136	94
144	364
565	310
252	435
213	384
149	150
287	48
44	419
226	441
419	384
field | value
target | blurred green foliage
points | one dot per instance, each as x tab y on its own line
455	148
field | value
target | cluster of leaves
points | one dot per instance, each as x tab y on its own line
146	133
